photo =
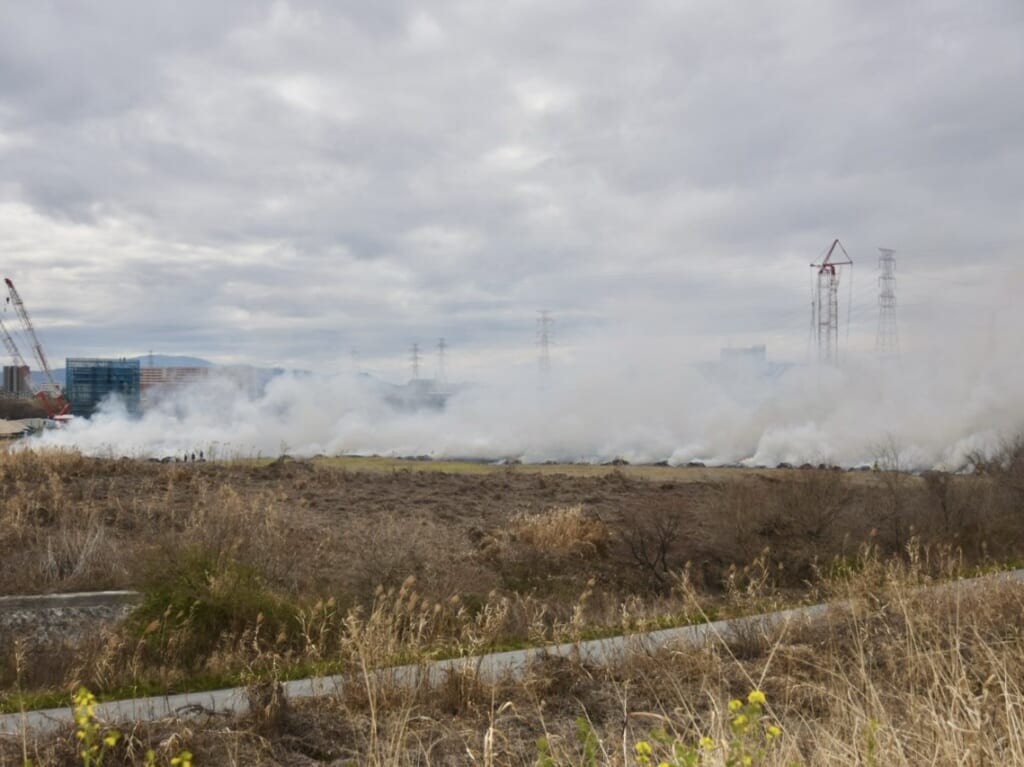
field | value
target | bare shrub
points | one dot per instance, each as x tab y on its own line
736	515
814	505
651	537
1006	467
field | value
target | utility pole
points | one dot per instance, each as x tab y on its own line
825	307
887	342
414	357
544	335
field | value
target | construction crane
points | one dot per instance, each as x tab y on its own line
12	349
49	394
825	306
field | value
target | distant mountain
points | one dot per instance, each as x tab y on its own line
172	361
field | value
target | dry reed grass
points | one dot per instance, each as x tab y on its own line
253	571
903	673
564	530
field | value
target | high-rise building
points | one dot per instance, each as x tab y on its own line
160	382
90	381
16	381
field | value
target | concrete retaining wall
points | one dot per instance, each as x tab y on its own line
46	620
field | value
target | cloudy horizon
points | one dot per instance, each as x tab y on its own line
284	183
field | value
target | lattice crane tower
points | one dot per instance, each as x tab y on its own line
825	305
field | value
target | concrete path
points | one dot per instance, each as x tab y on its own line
489	667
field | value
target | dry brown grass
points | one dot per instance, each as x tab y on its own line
901	674
564	530
255	569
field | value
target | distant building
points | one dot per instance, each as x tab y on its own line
90	381
757	354
159	382
741	370
15	382
417	394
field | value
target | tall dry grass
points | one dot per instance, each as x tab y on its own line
252	573
904	671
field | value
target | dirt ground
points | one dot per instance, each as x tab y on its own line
350	524
11	408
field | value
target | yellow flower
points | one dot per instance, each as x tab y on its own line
735	704
111	738
756	696
707	743
643	752
740	720
773	732
748	760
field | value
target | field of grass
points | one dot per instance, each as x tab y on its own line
256	572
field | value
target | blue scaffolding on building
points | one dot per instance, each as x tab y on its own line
90	381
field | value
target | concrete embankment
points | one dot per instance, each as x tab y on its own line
53	619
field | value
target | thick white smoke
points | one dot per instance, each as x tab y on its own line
928	411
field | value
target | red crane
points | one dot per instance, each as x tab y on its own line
49	394
825	310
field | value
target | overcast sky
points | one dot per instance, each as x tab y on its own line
279	183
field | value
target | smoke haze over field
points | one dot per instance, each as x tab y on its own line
613	401
280	184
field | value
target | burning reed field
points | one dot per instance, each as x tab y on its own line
255	572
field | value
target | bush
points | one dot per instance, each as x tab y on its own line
191	612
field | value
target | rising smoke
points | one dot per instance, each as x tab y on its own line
935	409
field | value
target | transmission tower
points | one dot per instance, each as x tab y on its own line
544	321
442	345
825	305
887	342
414	358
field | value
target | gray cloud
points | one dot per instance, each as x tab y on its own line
280	182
